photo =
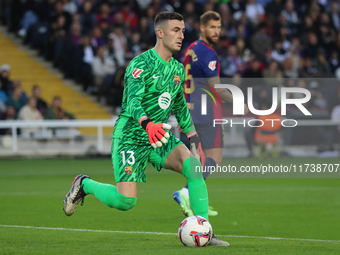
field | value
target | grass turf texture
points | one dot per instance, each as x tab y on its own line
31	194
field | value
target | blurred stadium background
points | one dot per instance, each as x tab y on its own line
61	71
69	56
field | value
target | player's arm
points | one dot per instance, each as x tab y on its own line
210	70
224	94
185	122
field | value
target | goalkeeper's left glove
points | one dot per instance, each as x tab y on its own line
196	147
157	134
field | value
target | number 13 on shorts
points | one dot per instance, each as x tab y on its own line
131	158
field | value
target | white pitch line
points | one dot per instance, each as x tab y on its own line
162	233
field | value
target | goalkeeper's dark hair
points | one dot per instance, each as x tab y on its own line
207	16
167	15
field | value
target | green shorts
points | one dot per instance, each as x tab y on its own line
129	159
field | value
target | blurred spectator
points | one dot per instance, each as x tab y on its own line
335	15
326	36
189	10
41	104
309	70
7	85
119	40
23	97
103	69
30	112
314	9
254	11
273	75
273	9
57	39
145	32
69	54
9	115
308	26
3	99
3	109
232	63
85	56
29	19
134	45
104	28
105	14
116	56
70	7
236	6
321	63
97	38
15	100
291	64
3	96
190	34
289	12
88	19
278	53
241	49
254	70
312	45
334	61
60	17
56	111
261	41
284	38
129	16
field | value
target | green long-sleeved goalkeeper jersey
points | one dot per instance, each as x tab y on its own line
153	88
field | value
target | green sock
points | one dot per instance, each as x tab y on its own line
108	195
198	193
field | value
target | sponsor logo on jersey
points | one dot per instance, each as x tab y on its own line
164	100
136	73
212	65
177	79
128	169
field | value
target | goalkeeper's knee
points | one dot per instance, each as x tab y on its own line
124	203
192	169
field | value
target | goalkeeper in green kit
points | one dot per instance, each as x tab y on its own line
153	89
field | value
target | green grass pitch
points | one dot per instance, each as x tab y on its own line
303	213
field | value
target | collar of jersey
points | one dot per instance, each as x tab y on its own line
160	59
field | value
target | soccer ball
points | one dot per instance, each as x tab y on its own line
195	231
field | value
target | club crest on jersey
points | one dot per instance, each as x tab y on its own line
136	73
177	79
212	65
128	169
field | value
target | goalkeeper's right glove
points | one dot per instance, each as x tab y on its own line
155	132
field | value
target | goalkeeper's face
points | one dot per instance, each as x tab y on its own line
173	35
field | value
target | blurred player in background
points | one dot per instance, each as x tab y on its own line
154	84
201	61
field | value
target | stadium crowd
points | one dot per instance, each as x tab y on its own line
15	104
92	41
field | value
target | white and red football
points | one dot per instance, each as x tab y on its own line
195	231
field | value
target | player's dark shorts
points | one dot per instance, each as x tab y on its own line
129	159
211	137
